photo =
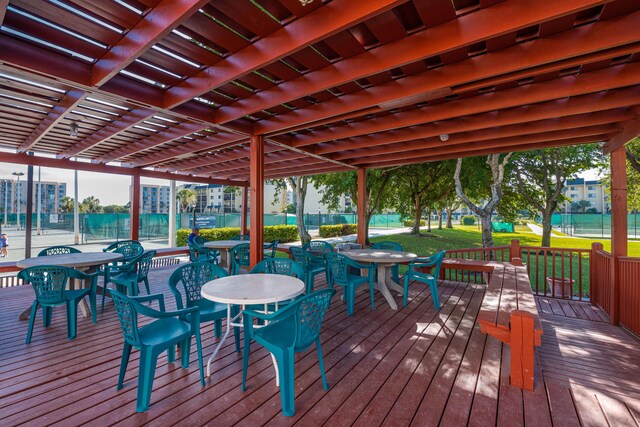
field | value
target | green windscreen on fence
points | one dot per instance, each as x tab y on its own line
503	227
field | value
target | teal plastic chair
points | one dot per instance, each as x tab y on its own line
112	247
239	255
199	240
290	330
317	248
198	253
189	279
284	266
240	237
50	286
271	248
434	262
127	276
339	274
59	250
163	334
391	246
310	269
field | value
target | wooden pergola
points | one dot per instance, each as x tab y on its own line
236	92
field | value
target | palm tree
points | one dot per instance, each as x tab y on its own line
92	205
187	198
66	204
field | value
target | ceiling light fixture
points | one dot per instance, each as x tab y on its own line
306	2
73	130
444	137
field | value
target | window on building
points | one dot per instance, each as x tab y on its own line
591	187
572	188
573	196
592	195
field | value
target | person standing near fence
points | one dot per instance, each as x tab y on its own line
4	245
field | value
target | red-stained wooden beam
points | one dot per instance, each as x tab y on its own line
159	22
504	149
23	159
256	187
119	125
630	130
586	104
134	215
326	169
3	9
586	83
162	137
215	159
362	207
212	142
319	24
459	148
619	231
571	123
432	42
68	102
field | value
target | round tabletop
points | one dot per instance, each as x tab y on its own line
380	255
82	259
223	244
245	289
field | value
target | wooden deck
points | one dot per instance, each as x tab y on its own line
414	366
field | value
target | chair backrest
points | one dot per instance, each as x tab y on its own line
143	263
128	316
193	251
391	246
338	267
299	255
116	245
192	276
240	237
318	247
240	254
58	250
48	281
273	246
199	240
437	260
129	251
284	266
309	316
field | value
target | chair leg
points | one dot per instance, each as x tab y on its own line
72	318
351	296
236	334
245	360
47	313
309	283
104	293
433	285
217	328
126	352
148	360
171	353
92	305
321	363
185	352
406	290
32	320
287	381
199	350
373	298
146	285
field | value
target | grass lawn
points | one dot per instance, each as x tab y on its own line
541	265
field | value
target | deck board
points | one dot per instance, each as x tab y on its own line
414	366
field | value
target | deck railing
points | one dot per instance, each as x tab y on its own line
601	277
496	253
629	289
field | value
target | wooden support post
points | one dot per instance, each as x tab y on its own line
593	283
256	185
516	251
243	210
618	226
134	222
362	206
172	213
28	210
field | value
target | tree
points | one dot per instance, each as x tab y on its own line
419	186
187	198
541	175
492	178
633	175
66	204
91	205
333	186
299	186
115	209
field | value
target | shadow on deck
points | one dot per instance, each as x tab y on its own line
414	366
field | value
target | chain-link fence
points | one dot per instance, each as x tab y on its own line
593	225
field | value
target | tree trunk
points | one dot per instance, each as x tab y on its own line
417	210
429	220
487	231
449	218
546	228
300	187
440	219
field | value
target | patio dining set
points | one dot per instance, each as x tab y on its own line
274	302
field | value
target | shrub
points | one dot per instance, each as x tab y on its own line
468	220
338	230
409	223
284	233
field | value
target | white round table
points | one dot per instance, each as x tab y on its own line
383	259
224	246
249	289
87	262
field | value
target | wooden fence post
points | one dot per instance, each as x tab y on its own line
515	251
593	283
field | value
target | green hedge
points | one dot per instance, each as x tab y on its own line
284	233
468	220
338	230
409	223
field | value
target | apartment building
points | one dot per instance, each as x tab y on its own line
50	195
154	198
592	191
